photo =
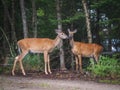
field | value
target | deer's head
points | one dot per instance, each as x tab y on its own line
71	33
61	34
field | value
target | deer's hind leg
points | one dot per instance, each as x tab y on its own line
14	65
96	58
20	61
19	58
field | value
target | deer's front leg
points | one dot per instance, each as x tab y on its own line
49	64
80	63
76	61
46	61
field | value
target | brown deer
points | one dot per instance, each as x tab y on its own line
38	45
80	49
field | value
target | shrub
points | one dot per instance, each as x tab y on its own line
106	67
34	62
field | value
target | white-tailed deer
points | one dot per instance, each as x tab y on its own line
38	45
80	49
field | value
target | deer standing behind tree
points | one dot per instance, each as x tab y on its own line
80	49
38	45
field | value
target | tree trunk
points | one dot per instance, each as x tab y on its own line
95	32
24	21
87	21
34	19
71	53
59	18
4	43
11	21
97	27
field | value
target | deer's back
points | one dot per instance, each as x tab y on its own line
36	44
86	49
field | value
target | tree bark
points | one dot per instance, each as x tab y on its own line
95	31
4	43
24	21
34	19
97	27
59	18
89	34
11	20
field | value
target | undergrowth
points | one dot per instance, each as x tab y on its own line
106	67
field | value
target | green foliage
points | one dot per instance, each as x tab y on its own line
106	67
76	16
40	12
1	70
33	62
6	68
111	10
110	81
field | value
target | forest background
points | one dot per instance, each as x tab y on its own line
39	18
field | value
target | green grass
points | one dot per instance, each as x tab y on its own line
106	67
110	81
45	85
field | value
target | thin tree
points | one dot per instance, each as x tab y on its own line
34	22
59	19
34	19
24	21
95	24
11	20
5	27
89	34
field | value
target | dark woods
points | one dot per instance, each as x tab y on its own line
96	22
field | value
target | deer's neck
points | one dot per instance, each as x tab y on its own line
72	42
57	41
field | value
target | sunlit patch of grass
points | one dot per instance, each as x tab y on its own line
45	85
1	88
77	89
110	81
106	67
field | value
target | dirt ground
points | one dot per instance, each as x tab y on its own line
49	82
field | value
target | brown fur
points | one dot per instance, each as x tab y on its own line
38	45
81	49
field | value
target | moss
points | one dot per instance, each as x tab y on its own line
110	81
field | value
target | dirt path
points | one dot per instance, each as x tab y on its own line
30	83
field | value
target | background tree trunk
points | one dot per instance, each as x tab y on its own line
34	19
87	21
24	21
59	18
13	34
95	31
97	27
4	51
11	20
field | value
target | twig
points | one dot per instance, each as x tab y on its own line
7	41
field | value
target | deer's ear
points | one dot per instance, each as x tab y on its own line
68	30
57	30
75	30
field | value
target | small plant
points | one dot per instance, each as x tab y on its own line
1	70
34	62
106	67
